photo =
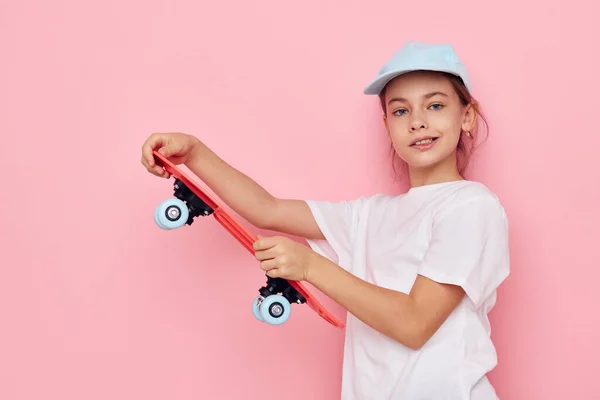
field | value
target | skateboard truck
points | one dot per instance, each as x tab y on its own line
279	285
272	307
181	210
195	205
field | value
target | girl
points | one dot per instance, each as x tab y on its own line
417	272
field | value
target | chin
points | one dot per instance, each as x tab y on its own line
422	164
424	160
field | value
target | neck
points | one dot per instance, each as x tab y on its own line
444	171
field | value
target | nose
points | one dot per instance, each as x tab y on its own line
417	122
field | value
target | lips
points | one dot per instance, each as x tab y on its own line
424	140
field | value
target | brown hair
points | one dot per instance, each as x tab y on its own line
466	145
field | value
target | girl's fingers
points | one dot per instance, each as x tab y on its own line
264	254
274	273
268	265
155	141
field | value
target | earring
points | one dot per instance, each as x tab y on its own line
468	133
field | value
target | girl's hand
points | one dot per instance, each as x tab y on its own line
284	258
178	148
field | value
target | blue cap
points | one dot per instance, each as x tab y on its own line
415	56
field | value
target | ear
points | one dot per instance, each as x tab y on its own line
469	118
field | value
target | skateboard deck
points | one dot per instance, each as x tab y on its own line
191	201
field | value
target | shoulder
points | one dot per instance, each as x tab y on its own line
472	199
473	193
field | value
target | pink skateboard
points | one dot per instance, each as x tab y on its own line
273	304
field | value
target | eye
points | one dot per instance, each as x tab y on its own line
436	107
401	111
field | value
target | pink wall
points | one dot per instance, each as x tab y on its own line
96	302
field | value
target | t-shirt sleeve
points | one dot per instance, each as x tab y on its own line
469	248
338	222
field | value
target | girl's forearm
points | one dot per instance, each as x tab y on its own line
390	312
245	196
249	199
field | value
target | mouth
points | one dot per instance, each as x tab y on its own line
423	142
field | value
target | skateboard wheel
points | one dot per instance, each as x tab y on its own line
171	214
256	309
156	220
275	309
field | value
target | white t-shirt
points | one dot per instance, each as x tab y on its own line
452	232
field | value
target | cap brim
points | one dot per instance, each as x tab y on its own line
377	84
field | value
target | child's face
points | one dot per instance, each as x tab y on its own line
424	104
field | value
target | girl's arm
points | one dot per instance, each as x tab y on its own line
409	319
249	199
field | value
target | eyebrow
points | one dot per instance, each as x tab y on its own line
427	96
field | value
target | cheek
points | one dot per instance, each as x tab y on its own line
397	129
399	140
450	133
398	136
447	124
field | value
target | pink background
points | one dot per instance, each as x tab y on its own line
96	302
